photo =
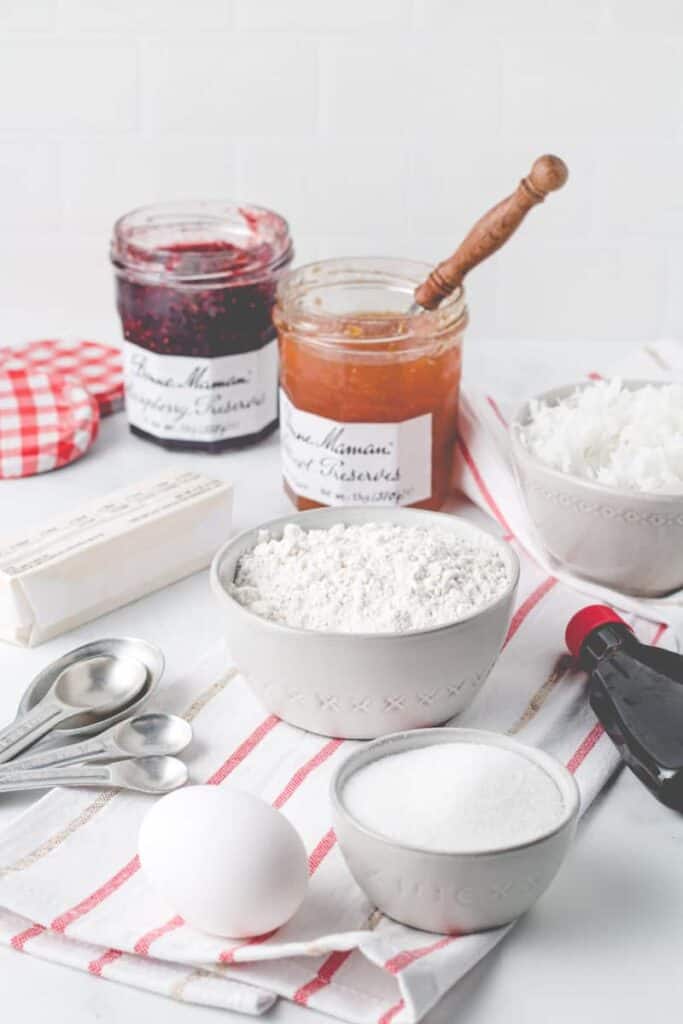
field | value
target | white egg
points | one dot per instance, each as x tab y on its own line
227	862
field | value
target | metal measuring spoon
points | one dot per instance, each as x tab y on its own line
89	723
143	774
100	684
153	734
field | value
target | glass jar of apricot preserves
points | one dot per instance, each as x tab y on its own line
368	390
195	287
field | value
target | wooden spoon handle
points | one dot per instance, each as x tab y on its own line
493	230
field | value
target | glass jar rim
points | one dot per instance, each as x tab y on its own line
314	324
201	242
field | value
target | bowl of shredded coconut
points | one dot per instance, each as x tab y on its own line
600	464
356	622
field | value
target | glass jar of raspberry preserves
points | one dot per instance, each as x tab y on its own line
195	284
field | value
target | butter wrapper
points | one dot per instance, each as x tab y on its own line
112	551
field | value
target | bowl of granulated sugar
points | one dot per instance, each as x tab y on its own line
453	830
600	466
355	622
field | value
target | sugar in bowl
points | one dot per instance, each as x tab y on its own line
453	830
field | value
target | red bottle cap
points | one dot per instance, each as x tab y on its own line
585	621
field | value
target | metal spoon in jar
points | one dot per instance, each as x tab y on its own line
143	774
153	734
100	684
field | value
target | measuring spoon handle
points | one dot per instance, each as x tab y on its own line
29	728
42	778
75	753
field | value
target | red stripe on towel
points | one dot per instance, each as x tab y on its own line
228	955
659	633
326	973
336	960
389	1014
479	480
496	408
321	851
582	751
528	606
61	923
96	966
141	947
19	941
305	770
243	750
402	960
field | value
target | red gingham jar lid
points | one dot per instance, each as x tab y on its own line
98	367
46	421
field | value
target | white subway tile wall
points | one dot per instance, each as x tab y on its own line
375	126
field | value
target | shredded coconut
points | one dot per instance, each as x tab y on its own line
371	578
455	797
616	436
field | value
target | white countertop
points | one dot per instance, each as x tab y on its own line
603	943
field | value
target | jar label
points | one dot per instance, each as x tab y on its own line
188	398
355	463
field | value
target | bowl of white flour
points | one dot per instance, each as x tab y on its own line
356	622
453	830
600	465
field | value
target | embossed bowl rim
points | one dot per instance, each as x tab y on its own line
521	452
348	514
412	739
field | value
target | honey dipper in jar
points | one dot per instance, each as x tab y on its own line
492	231
368	382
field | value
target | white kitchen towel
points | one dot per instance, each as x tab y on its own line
72	890
486	476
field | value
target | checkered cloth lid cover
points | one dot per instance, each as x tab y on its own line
98	367
46	421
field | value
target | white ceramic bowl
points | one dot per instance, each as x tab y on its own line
361	685
628	540
452	892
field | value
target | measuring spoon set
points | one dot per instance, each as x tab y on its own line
95	692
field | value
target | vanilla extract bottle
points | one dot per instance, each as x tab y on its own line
636	691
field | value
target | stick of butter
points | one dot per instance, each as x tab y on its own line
115	550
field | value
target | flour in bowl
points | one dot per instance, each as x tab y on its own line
613	435
371	578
